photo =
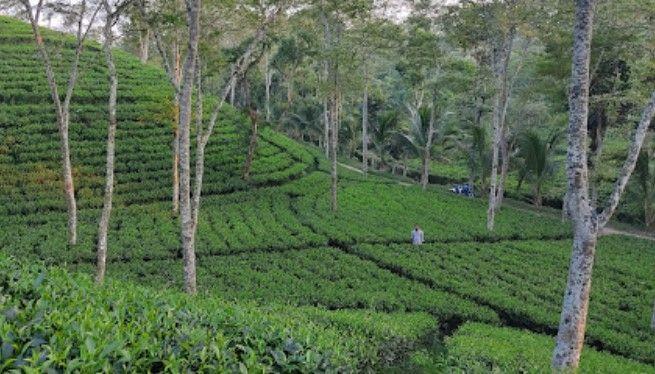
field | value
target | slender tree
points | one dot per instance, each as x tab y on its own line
172	66
62	108
111	18
252	145
188	77
586	222
501	59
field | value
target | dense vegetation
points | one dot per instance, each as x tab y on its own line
285	284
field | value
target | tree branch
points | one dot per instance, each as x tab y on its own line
629	164
160	49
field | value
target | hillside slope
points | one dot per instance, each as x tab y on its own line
344	282
29	142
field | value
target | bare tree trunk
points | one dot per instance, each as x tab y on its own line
232	92
500	71
239	69
326	114
176	129
652	321
186	218
103	226
425	172
144	44
630	162
504	169
573	320
62	109
365	127
566	214
268	75
333	151
252	146
200	148
326	125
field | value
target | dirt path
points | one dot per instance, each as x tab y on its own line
614	231
609	230
352	168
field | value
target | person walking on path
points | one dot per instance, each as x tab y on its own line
417	235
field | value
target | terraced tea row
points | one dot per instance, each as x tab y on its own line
324	277
385	213
523	281
123	327
29	140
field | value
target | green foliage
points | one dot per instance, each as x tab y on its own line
385	213
54	321
481	348
523	282
538	163
324	277
29	142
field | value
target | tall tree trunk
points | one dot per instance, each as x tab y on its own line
334	131
425	168
268	76
504	169
252	146
652	321
187	226
144	44
326	127
365	130
425	172
501	62
176	129
103	226
570	336
62	109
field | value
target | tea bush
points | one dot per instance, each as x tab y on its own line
481	348
29	141
51	320
523	281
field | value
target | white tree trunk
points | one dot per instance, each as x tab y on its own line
425	172
334	140
252	146
365	130
186	217
326	127
103	226
268	75
501	62
177	77
144	44
570	336
504	169
630	162
62	109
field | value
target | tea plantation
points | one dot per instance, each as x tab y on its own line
285	284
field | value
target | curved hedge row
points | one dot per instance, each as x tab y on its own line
51	320
29	141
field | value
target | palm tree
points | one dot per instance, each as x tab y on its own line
422	137
537	164
382	134
473	140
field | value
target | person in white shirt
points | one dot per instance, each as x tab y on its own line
417	235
